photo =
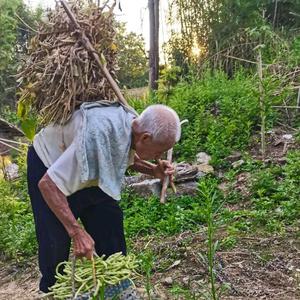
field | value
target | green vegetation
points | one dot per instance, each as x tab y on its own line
17	233
273	200
13	42
132	60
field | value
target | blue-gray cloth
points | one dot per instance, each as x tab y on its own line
117	291
104	144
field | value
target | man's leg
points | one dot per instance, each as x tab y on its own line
103	220
53	240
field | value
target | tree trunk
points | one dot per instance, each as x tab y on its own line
154	43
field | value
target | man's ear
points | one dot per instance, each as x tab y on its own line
135	125
146	138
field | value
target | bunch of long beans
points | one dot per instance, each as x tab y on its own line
92	276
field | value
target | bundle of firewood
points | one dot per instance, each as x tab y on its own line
60	72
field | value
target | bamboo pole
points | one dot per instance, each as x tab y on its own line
167	178
261	103
88	45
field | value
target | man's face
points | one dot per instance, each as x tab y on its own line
146	149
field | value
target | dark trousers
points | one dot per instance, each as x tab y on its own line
100	215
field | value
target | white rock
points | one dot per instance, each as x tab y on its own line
168	281
288	137
238	163
203	158
12	171
147	187
204	168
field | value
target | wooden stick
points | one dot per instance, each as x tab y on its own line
86	42
283	106
13	142
166	180
10	146
298	99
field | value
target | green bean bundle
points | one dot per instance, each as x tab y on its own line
92	276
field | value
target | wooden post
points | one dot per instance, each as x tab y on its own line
153	6
261	103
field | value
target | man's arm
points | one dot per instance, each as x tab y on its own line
57	202
143	166
162	169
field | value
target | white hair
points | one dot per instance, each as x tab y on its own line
161	121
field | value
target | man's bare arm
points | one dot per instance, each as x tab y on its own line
162	169
143	166
57	202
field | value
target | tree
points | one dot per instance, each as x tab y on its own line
223	29
153	6
13	36
132	59
8	37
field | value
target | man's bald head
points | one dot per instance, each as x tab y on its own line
161	122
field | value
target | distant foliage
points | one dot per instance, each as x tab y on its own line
13	42
222	30
132	59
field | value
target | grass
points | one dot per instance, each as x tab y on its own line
272	200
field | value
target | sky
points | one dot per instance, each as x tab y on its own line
134	13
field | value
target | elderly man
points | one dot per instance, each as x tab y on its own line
75	172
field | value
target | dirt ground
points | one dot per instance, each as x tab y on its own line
19	281
256	268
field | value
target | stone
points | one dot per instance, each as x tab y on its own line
223	187
187	188
203	158
238	163
234	157
185	172
168	281
288	137
186	280
135	179
204	168
147	187
12	171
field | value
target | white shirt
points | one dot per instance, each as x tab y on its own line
55	145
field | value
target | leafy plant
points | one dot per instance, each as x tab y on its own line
150	217
209	194
146	263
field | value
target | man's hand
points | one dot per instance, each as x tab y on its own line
57	202
83	244
162	169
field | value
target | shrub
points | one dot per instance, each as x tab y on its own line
17	234
222	112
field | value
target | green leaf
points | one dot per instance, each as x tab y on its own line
29	126
21	110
